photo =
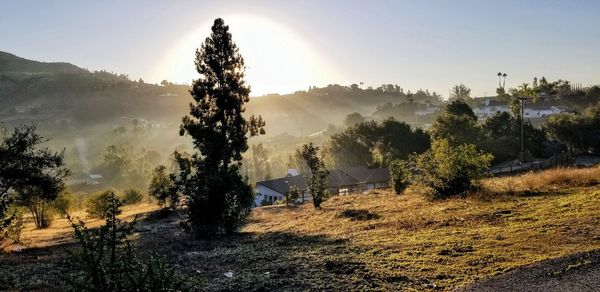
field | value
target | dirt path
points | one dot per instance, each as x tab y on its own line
580	272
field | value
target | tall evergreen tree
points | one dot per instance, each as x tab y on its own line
219	198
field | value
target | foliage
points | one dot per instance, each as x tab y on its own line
108	262
63	203
460	91
32	175
132	196
98	204
260	163
501	134
124	166
265	202
13	228
450	170
218	198
353	119
580	132
163	187
457	129
316	179
400	175
292	195
371	143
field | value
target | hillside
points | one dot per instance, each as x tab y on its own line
377	241
10	63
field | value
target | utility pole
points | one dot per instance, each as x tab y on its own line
522	154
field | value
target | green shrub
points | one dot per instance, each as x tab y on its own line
63	204
163	188
108	261
99	204
265	202
400	175
450	170
132	197
292	196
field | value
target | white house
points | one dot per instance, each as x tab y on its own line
339	182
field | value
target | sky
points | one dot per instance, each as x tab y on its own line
291	45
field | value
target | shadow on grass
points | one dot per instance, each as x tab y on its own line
358	215
268	261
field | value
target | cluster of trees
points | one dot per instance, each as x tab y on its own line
375	144
580	132
123	166
499	134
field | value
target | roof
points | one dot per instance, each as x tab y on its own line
336	178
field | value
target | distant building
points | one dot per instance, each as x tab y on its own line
490	107
339	182
95	179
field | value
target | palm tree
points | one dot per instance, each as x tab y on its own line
499	76
504	81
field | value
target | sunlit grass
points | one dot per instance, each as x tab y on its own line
377	241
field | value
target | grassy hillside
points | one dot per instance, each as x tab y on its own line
377	241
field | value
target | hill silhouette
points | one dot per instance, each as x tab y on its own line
15	64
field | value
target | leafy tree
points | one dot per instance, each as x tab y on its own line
501	137
460	91
163	187
99	204
219	199
580	132
400	175
317	177
592	95
132	196
261	165
353	119
457	126
32	175
371	143
450	170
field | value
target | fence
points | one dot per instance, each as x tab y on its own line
560	160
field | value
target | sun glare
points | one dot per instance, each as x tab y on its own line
277	59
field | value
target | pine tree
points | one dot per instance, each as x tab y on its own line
218	197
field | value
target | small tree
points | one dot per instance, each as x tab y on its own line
317	177
63	204
400	175
292	195
163	188
99	204
132	196
31	174
451	170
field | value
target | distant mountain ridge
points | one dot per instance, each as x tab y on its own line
15	64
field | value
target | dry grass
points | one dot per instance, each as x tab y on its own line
61	232
544	181
446	243
370	242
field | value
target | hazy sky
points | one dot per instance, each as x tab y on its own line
289	46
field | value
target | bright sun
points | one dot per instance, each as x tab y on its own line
277	60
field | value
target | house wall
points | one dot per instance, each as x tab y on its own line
263	192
